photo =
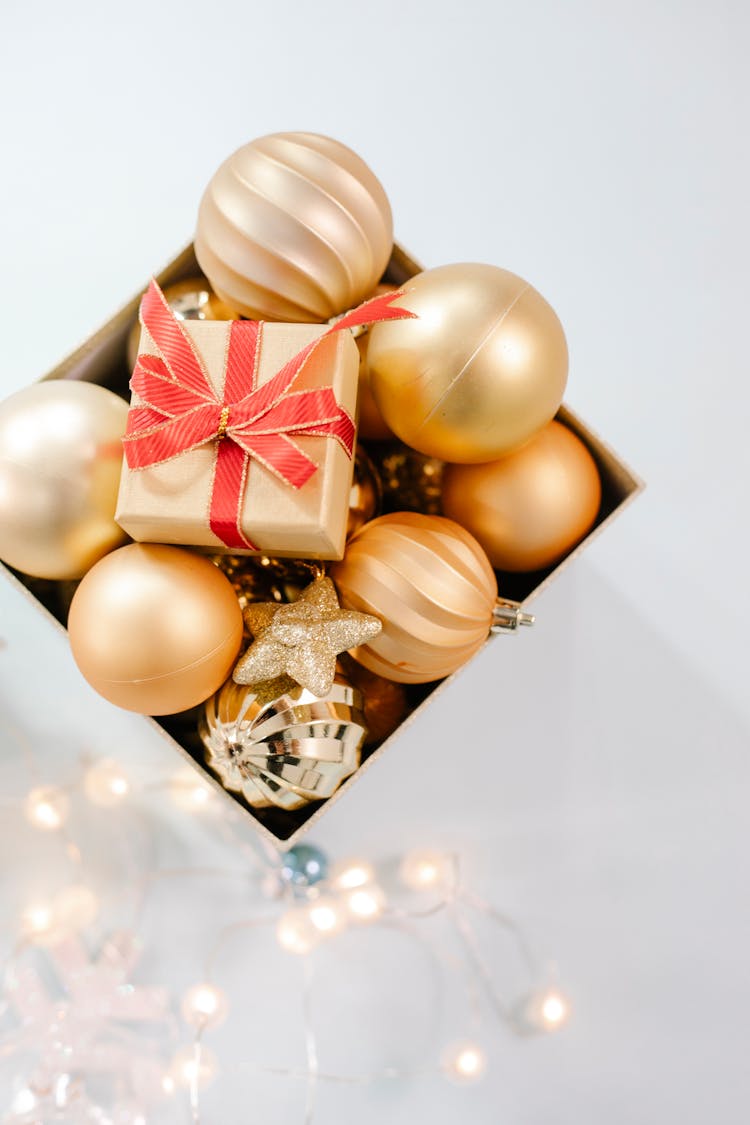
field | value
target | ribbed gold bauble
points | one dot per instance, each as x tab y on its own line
529	508
478	371
192	299
294	226
60	462
155	629
429	582
277	743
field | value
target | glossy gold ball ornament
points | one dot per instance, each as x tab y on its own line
280	745
432	587
481	367
295	227
155	629
192	299
60	462
529	508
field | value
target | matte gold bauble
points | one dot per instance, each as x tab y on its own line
279	744
529	508
60	462
192	299
364	496
155	629
478	371
429	582
293	226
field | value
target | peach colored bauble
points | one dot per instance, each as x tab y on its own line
60	462
530	508
481	368
192	299
431	586
295	227
155	629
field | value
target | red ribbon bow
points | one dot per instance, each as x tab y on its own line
182	410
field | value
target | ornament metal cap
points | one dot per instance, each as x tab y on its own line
508	616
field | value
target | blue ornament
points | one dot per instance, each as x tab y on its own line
304	866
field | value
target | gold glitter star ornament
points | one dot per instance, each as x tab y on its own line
302	639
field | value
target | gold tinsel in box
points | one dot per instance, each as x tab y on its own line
103	359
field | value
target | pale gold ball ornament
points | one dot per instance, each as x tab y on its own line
430	584
295	227
477	372
60	462
192	299
155	629
529	508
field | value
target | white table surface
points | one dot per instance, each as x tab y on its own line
593	772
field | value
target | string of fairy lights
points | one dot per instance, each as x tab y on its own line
301	897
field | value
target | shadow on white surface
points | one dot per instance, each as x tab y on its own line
596	789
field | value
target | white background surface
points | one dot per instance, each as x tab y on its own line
594	773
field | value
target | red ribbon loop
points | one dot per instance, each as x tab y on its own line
180	409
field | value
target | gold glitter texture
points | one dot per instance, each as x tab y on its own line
302	639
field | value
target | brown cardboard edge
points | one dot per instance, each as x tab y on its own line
100	351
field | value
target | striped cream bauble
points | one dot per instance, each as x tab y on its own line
295	227
431	585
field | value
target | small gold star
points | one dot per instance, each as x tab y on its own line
302	639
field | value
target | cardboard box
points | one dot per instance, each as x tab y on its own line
102	359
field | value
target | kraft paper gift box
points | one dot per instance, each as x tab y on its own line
264	508
102	359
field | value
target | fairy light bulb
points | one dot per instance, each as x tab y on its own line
326	915
47	808
424	870
105	783
553	1010
464	1062
351	874
37	920
191	1067
545	1010
296	933
366	904
204	1006
24	1101
189	791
